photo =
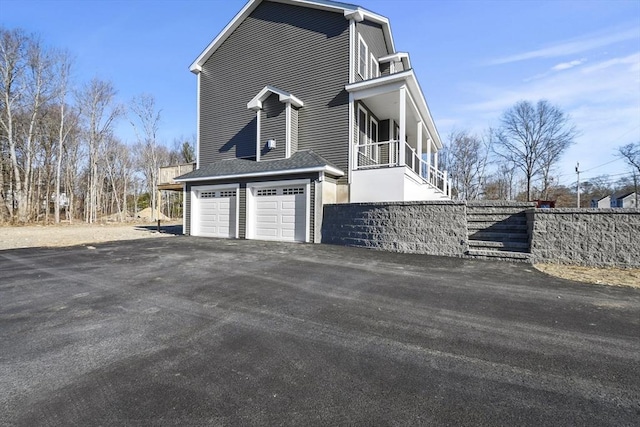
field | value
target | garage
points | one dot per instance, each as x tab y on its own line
215	212
279	212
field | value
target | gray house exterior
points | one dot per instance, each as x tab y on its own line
303	103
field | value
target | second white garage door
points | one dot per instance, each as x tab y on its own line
280	213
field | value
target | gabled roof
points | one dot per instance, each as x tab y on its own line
283	96
350	11
300	162
622	195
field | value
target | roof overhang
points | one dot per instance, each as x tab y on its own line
285	97
326	169
369	88
398	56
348	10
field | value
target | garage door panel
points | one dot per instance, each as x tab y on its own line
280	213
216	214
267	219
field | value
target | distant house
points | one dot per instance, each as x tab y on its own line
624	199
603	202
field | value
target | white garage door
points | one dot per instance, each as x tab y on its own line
280	213
216	215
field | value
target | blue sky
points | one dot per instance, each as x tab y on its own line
473	59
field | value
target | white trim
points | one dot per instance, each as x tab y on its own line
373	61
195	204
184	213
250	218
258	135
352	53
374	155
348	13
327	169
392	83
351	136
283	96
366	57
198	123
402	114
287	138
397	57
358	133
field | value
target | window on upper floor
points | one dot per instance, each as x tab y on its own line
363	57
374	70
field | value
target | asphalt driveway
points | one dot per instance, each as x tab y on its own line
188	331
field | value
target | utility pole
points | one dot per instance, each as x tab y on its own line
578	182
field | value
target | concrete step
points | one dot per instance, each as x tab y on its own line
499	255
499	246
498	226
498	236
519	219
496	210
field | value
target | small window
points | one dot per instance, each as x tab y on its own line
363	55
289	191
374	68
362	130
228	193
373	137
207	194
266	192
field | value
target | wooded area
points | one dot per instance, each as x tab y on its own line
59	156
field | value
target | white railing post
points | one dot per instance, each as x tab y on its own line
444	182
428	159
402	107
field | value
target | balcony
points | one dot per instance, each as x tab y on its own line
168	173
382	173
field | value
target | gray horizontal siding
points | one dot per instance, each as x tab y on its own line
187	210
373	36
273	126
300	50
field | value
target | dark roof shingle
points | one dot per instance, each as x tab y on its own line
300	160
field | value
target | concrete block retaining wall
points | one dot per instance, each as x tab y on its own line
591	237
434	228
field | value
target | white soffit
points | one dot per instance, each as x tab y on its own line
409	78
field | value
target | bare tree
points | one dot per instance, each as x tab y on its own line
467	157
631	154
533	138
145	120
64	126
98	110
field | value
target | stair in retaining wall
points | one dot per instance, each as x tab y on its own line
498	230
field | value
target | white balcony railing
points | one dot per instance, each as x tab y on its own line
372	155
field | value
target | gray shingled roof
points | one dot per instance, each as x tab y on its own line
300	160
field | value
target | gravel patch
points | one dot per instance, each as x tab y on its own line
12	237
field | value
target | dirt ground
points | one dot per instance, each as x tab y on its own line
12	237
33	236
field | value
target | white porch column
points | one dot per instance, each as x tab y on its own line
444	182
435	160
402	110
258	145
428	158
287	150
419	146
